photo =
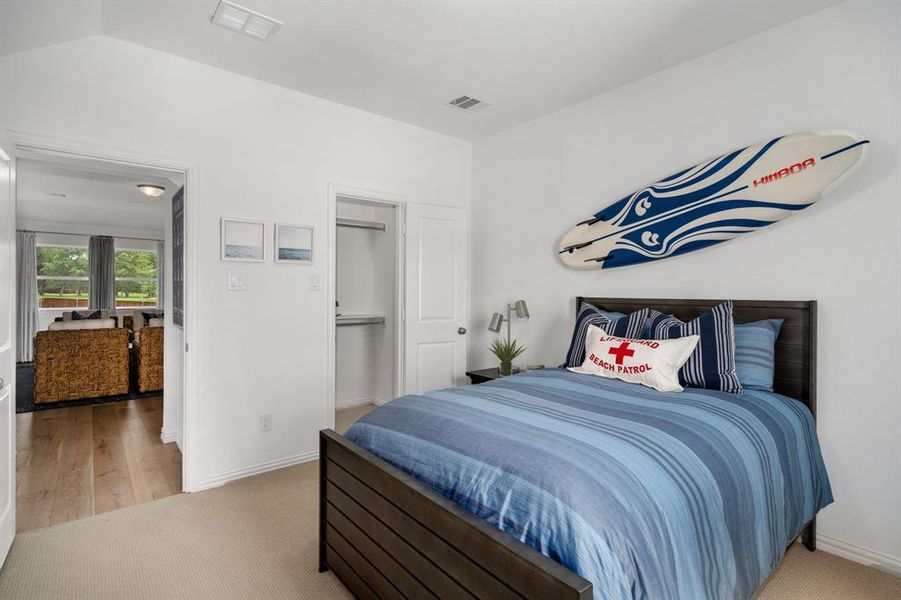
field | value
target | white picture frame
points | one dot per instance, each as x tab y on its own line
242	240
294	244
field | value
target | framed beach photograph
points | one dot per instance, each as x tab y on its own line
293	244
243	240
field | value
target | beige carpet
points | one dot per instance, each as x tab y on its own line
257	539
346	417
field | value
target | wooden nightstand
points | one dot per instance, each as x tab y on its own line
483	375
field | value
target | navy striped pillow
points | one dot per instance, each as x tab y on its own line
625	326
755	353
712	364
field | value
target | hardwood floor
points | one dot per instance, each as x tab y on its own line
73	463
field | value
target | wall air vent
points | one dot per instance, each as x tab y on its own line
243	20
468	103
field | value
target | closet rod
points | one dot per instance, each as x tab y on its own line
117	237
343	222
344	320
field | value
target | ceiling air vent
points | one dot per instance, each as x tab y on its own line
243	20
468	103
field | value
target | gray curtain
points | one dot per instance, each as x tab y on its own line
26	295
102	261
160	274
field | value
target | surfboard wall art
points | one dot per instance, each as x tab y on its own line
715	201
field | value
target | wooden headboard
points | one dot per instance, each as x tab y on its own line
796	348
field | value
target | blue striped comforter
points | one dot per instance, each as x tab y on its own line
646	494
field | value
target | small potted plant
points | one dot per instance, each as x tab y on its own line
506	352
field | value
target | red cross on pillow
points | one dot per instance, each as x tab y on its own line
653	363
621	351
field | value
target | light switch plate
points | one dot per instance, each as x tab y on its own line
315	282
237	282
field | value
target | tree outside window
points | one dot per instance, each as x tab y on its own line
136	278
62	277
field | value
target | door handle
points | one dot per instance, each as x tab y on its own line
461	330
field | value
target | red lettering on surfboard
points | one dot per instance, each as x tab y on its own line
785	172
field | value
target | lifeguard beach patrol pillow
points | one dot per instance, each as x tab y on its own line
653	363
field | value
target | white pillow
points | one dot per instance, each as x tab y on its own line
155	322
653	363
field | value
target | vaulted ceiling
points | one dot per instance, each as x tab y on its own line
406	59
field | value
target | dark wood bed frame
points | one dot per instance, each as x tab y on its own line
386	535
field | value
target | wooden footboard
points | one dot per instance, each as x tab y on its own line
387	536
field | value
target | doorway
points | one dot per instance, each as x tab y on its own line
81	453
430	298
368	306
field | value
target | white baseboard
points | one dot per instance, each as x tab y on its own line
249	471
360	402
855	553
168	436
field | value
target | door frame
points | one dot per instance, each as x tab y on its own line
399	202
24	142
8	268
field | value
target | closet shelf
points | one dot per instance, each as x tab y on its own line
344	320
344	222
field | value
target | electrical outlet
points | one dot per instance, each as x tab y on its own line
266	423
315	282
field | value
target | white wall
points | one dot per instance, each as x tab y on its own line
262	152
838	68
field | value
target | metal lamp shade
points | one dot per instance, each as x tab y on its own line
497	320
522	311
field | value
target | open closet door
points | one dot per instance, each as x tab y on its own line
437	276
7	360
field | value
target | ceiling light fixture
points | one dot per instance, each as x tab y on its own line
154	191
243	20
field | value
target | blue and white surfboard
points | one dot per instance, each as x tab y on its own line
715	201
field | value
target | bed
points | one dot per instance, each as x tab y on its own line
556	484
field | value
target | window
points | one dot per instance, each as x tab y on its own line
136	278
62	277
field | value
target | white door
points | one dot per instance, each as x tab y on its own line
436	297
7	360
